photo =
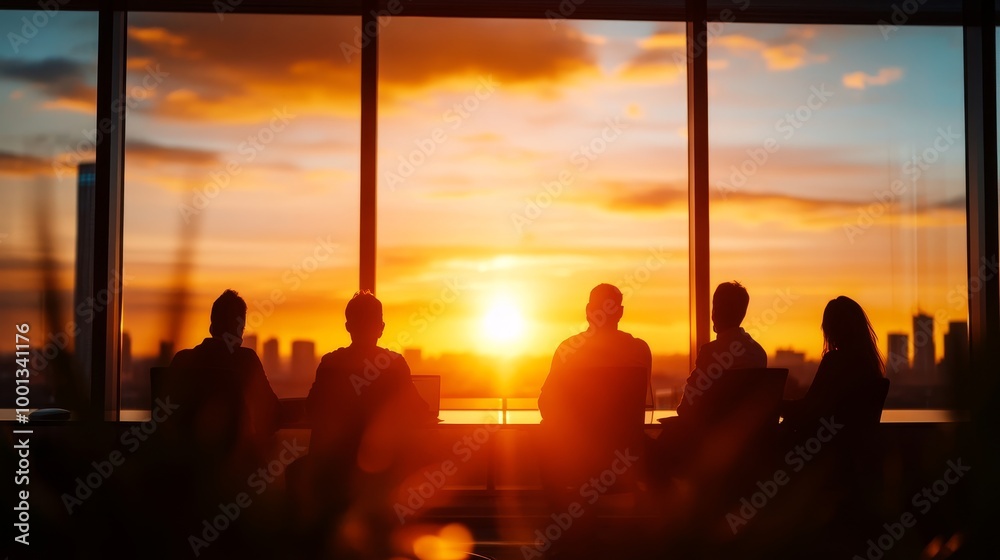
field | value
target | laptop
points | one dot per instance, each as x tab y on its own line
429	389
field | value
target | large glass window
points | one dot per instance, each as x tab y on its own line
521	163
48	71
242	173
837	168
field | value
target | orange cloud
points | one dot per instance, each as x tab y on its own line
786	55
229	72
861	80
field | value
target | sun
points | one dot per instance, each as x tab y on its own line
503	322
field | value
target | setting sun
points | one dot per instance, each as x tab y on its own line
503	322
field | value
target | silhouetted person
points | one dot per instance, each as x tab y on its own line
850	369
841	479
220	386
689	441
362	387
733	347
593	400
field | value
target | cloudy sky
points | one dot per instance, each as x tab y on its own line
520	163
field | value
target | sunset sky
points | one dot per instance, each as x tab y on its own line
521	162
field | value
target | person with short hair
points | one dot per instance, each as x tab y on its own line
234	370
362	386
733	347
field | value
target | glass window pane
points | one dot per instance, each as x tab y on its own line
242	173
48	72
521	163
837	168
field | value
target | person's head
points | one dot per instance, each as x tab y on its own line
846	327
729	305
364	318
604	309
229	316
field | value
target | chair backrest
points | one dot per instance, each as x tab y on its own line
610	401
212	412
157	384
866	410
754	394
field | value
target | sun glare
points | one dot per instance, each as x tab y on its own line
503	322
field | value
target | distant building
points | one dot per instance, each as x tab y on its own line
799	375
83	283
303	359
956	350
166	353
126	373
897	361
923	348
270	358
250	341
414	357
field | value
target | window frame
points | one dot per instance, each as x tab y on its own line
978	19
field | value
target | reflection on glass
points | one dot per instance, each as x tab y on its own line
241	172
520	164
837	168
47	107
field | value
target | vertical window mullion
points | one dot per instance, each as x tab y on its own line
698	232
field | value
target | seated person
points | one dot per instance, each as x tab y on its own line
593	400
232	400
850	368
841	409
363	398
732	348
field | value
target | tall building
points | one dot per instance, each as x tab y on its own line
250	341
127	372
303	359
270	358
956	350
166	353
923	348
897	362
83	342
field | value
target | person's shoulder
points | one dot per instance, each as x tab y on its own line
183	357
637	345
334	358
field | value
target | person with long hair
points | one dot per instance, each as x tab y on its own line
850	367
